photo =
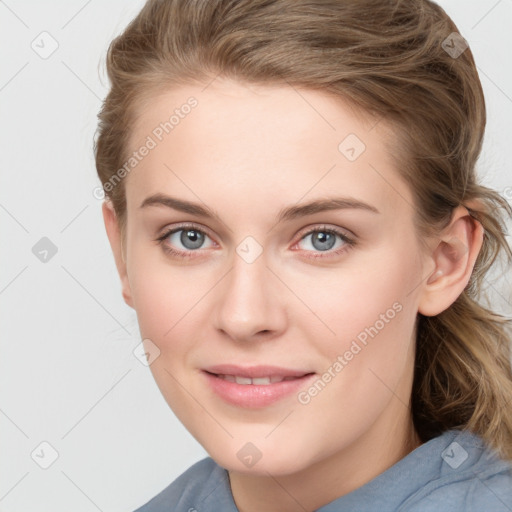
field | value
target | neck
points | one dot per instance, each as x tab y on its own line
330	478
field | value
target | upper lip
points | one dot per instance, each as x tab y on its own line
255	371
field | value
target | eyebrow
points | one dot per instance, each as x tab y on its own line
286	214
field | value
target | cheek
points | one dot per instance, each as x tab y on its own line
373	317
161	293
168	299
368	315
167	302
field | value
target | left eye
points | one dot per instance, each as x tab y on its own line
324	240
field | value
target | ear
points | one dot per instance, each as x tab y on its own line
114	237
454	257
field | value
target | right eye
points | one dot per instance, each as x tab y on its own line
183	241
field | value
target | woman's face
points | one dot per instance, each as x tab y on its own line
294	251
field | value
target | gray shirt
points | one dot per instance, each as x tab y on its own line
451	473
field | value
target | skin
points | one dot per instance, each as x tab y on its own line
247	152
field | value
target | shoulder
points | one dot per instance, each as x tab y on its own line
202	485
471	478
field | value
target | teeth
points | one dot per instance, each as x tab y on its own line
243	380
264	381
259	381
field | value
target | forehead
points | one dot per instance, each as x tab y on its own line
265	144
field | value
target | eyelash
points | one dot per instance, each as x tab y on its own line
348	242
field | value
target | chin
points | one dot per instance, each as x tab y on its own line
248	459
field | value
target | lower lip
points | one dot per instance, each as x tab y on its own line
255	395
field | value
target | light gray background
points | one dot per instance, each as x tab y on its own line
68	376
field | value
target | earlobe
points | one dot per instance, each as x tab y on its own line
116	244
454	258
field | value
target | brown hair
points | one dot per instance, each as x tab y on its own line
389	58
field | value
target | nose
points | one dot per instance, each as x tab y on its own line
250	302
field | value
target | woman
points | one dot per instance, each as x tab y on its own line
294	212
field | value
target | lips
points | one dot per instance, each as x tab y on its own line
258	381
254	386
252	372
